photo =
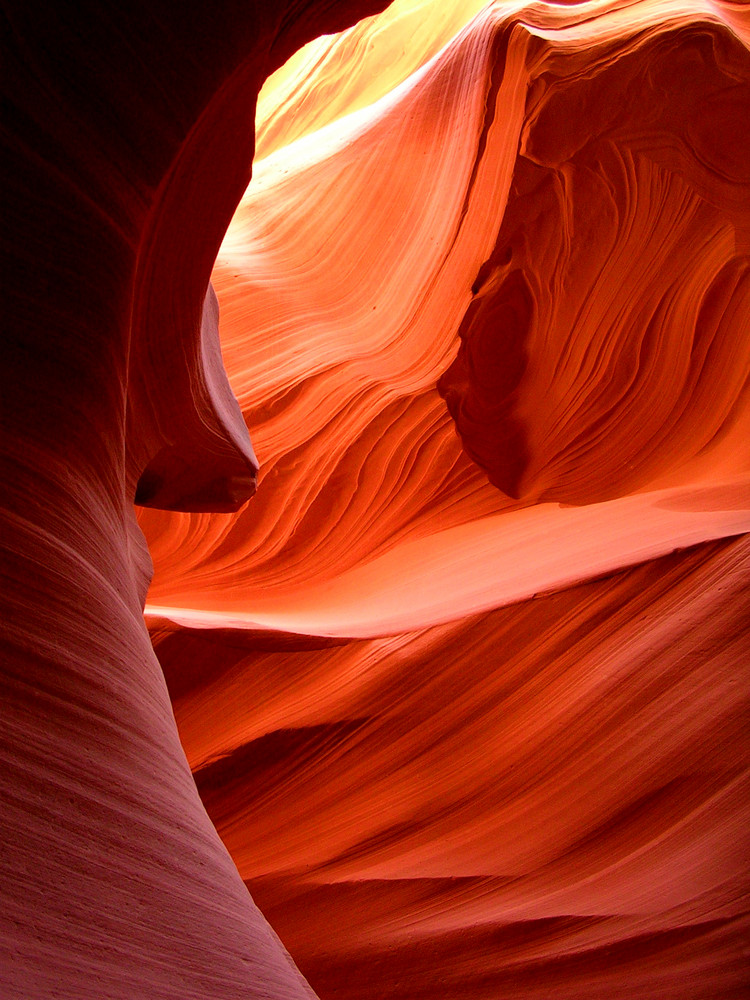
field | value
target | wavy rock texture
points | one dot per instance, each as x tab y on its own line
464	687
127	142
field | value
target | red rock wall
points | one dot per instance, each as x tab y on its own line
128	141
464	689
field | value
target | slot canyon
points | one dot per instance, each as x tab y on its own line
376	500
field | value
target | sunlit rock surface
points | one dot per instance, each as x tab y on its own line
464	689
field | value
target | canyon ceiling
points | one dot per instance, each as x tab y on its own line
457	705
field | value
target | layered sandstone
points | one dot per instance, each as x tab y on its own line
464	688
467	677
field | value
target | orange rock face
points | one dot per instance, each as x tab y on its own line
464	688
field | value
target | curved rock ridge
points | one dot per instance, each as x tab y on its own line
378	307
203	463
126	148
610	366
522	553
464	690
337	74
466	680
546	797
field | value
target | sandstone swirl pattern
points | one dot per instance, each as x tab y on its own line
463	688
126	148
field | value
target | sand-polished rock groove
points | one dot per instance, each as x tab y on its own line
467	678
461	695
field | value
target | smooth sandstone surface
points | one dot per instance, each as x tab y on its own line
127	143
464	689
467	679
